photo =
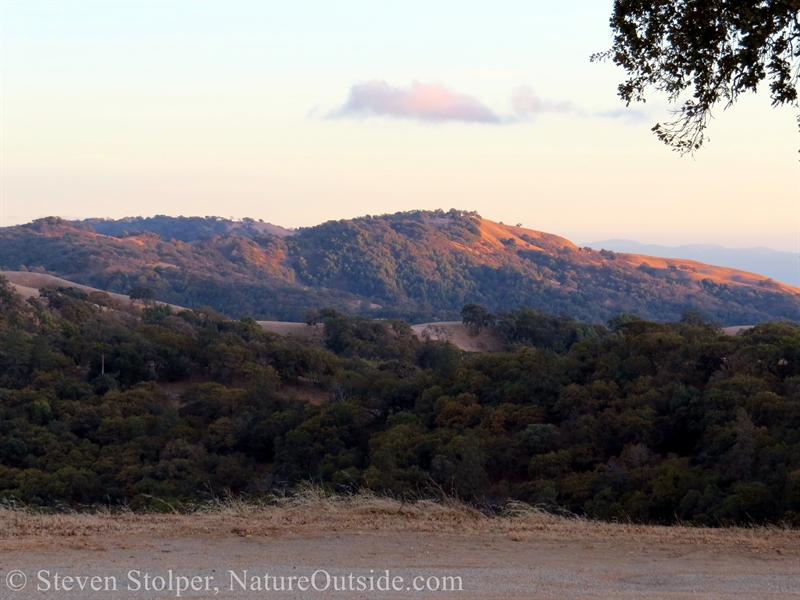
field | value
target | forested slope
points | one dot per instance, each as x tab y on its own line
421	266
117	406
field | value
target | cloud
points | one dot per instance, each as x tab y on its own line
630	114
425	102
435	103
526	103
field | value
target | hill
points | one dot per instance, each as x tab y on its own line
184	228
780	266
29	285
422	266
230	272
105	404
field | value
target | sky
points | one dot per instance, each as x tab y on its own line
298	113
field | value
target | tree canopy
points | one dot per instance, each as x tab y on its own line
713	49
112	405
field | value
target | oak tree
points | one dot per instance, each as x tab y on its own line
713	49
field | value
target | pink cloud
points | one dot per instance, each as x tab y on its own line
426	102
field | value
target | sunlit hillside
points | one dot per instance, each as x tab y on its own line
422	266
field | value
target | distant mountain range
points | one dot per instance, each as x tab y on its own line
420	265
780	266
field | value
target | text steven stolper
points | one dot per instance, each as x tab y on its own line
178	584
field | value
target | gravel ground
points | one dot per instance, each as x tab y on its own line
489	565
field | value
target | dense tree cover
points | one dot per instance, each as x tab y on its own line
715	49
420	266
439	261
641	420
185	229
529	327
235	274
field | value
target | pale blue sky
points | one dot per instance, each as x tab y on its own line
127	108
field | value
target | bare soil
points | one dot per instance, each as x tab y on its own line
523	554
736	329
459	335
308	334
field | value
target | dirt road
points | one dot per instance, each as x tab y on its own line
489	567
238	553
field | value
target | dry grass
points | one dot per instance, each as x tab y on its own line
451	331
736	329
28	285
28	282
458	334
313	511
303	333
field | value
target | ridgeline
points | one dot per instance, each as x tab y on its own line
420	266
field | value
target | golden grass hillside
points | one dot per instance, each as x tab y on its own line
313	511
28	285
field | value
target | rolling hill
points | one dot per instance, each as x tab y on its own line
107	405
780	266
421	265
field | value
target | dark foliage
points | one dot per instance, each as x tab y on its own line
644	421
716	49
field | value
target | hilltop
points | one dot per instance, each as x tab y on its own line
422	266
